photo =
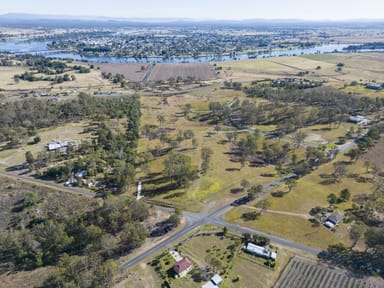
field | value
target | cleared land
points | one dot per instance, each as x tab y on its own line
303	273
134	72
197	71
317	67
375	155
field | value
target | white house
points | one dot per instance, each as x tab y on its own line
260	251
359	120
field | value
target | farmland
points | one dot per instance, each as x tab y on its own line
303	273
197	71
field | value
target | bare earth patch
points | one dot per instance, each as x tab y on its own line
197	71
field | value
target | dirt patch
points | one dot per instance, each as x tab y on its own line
315	138
196	71
376	154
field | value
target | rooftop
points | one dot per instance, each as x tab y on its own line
182	265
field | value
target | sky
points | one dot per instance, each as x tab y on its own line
203	9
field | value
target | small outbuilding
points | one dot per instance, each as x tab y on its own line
217	280
182	267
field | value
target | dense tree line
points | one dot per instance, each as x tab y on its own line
21	118
109	230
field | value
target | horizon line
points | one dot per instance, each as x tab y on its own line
100	17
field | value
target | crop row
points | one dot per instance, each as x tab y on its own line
302	273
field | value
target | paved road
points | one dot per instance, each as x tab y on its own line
49	184
194	220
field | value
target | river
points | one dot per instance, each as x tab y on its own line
22	46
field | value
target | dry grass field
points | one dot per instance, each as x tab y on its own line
134	72
85	80
312	190
360	67
375	155
303	273
198	71
295	228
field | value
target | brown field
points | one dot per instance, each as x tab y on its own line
375	155
134	72
302	273
199	71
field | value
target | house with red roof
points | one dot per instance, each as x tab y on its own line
182	267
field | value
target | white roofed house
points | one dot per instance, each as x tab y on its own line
260	251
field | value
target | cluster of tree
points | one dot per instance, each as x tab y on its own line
288	83
248	150
21	118
256	239
344	196
81	69
116	79
44	65
366	142
31	77
179	170
371	46
100	234
250	216
111	153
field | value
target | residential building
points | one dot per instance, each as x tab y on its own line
334	219
260	251
182	267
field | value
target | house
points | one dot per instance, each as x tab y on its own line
260	251
62	146
57	145
334	219
359	120
182	267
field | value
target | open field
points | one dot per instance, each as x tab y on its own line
360	67
25	279
303	273
312	190
197	71
294	228
134	72
223	174
87	80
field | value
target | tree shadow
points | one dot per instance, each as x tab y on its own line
175	195
279	194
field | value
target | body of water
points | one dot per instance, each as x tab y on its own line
23	46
